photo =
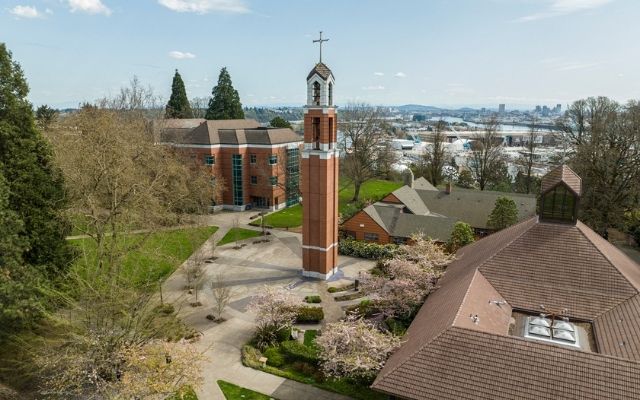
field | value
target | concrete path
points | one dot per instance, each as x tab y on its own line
246	270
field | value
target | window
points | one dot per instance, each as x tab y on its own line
316	133
330	94
273	159
399	240
559	204
316	93
253	158
236	178
254	180
349	234
274	180
209	160
331	137
292	177
559	331
370	237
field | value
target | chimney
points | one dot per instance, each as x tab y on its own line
408	177
448	188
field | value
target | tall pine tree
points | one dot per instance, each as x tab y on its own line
225	103
35	186
178	105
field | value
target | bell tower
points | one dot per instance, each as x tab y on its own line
320	175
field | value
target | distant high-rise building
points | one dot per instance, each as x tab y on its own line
501	108
545	111
538	109
558	109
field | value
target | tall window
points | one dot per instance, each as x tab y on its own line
236	176
331	138
316	133
330	94
273	159
316	93
559	204
209	160
292	178
253	158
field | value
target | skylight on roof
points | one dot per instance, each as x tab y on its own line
555	331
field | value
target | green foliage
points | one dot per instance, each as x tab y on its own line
274	357
36	189
225	101
461	236
185	393
368	250
465	179
296	351
396	327
238	234
335	289
310	337
504	214
313	299
235	392
310	315
178	105
279	122
45	116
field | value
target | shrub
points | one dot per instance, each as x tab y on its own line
274	357
349	296
310	315
296	351
165	308
313	299
283	334
368	250
397	328
251	356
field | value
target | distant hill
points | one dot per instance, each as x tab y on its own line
418	108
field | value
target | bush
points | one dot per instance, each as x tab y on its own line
310	315
313	299
296	351
251	356
335	289
350	296
165	309
283	334
368	250
274	357
397	328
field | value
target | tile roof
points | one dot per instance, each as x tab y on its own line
563	174
232	132
322	70
448	356
397	223
423	184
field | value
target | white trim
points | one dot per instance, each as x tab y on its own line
320	248
234	146
324	155
319	275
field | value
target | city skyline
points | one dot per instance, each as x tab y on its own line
411	52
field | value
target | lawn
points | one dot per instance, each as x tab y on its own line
235	392
156	255
373	190
186	393
238	234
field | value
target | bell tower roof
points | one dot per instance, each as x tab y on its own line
562	174
321	70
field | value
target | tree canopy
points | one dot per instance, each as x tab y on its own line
178	105
279	122
225	100
504	214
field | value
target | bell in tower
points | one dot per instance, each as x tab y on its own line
320	175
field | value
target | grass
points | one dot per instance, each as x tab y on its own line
186	393
310	337
235	392
155	256
374	190
238	234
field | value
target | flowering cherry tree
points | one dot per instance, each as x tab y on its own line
354	349
275	310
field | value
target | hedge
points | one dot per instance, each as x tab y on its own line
313	299
296	351
274	357
310	315
368	250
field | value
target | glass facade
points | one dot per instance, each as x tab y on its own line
292	183
236	175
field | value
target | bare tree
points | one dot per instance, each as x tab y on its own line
527	160
486	153
199	106
434	157
222	294
362	134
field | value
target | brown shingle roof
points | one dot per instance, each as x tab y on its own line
561	174
446	356
322	70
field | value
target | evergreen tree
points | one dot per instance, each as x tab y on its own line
461	236
45	116
178	105
279	122
225	103
35	186
504	214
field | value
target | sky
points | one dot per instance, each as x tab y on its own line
446	53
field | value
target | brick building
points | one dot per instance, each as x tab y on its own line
260	166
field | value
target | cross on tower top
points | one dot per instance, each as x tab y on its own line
320	41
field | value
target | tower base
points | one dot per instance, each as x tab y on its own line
320	275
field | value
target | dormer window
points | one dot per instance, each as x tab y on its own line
316	93
559	204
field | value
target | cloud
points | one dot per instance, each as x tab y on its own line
378	73
206	6
378	87
400	75
25	12
563	65
89	7
179	55
557	8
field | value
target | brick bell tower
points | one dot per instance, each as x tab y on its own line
320	175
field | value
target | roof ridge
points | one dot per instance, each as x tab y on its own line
507	243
